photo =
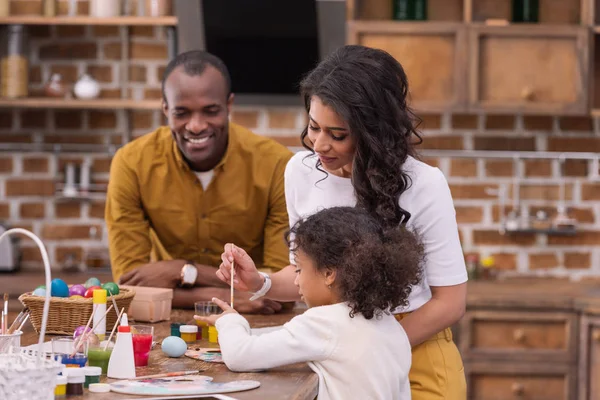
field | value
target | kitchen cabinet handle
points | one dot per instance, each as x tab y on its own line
519	335
518	389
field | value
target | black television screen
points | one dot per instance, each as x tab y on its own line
267	45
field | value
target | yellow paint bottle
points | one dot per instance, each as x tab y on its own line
188	333
213	335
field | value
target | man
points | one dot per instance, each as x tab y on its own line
183	191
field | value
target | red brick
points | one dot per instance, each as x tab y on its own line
68	51
472	191
455	142
152	94
6	119
142	119
25	7
101	165
29	187
15	138
282	119
588	144
4	211
6	164
35	75
67	119
137	73
543	261
74	139
464	121
582	215
505	261
63	252
68	73
494	238
430	122
97	209
582	238
575	168
249	119
544	192
102	120
70	31
148	51
504	143
289	141
538	168
67	210
142	31
468	214
576	124
463	167
33	119
102	73
105	31
160	73
65	232
35	164
112	51
30	254
32	210
504	122
578	260
110	94
537	123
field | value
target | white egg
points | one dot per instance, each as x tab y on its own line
39	292
174	346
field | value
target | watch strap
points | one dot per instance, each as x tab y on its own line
264	289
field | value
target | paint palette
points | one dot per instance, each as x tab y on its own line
206	355
188	385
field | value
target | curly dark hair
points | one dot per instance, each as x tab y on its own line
375	266
368	89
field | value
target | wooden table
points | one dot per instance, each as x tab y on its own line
296	382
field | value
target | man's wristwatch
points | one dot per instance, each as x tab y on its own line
264	289
189	273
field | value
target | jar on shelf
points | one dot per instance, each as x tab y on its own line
105	8
4	8
157	8
14	65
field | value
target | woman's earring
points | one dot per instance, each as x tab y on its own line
329	286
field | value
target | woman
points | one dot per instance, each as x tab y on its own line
360	140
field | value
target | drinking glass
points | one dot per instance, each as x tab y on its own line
205	308
142	343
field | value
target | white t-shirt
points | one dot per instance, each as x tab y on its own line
205	177
355	358
428	200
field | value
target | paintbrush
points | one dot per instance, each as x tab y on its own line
23	323
76	346
232	275
114	328
18	320
168	374
114	303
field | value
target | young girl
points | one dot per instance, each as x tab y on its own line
350	272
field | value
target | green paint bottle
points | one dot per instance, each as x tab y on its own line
420	10
403	10
525	11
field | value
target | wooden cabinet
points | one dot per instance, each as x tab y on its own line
460	60
433	57
589	361
538	69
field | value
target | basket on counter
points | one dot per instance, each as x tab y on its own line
67	314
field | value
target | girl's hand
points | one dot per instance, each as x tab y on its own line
212	319
247	278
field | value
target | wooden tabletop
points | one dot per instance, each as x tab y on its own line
296	382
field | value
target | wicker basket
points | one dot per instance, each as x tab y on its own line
67	314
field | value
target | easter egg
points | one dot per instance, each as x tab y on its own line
112	289
174	346
41	286
39	292
76	296
92	282
77	290
79	330
89	293
59	288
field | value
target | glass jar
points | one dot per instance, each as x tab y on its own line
14	65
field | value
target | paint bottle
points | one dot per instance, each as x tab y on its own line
60	390
75	380
188	333
122	364
213	334
99	304
420	10
403	10
92	375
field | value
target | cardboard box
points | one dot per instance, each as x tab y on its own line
150	304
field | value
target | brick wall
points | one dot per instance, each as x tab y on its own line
27	180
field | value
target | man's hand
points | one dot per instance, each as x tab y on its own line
261	306
165	274
212	319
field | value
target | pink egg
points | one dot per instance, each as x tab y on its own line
77	290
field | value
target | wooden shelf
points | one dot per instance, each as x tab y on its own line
99	104
84	20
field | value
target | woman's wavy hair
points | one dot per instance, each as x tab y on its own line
376	267
368	89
